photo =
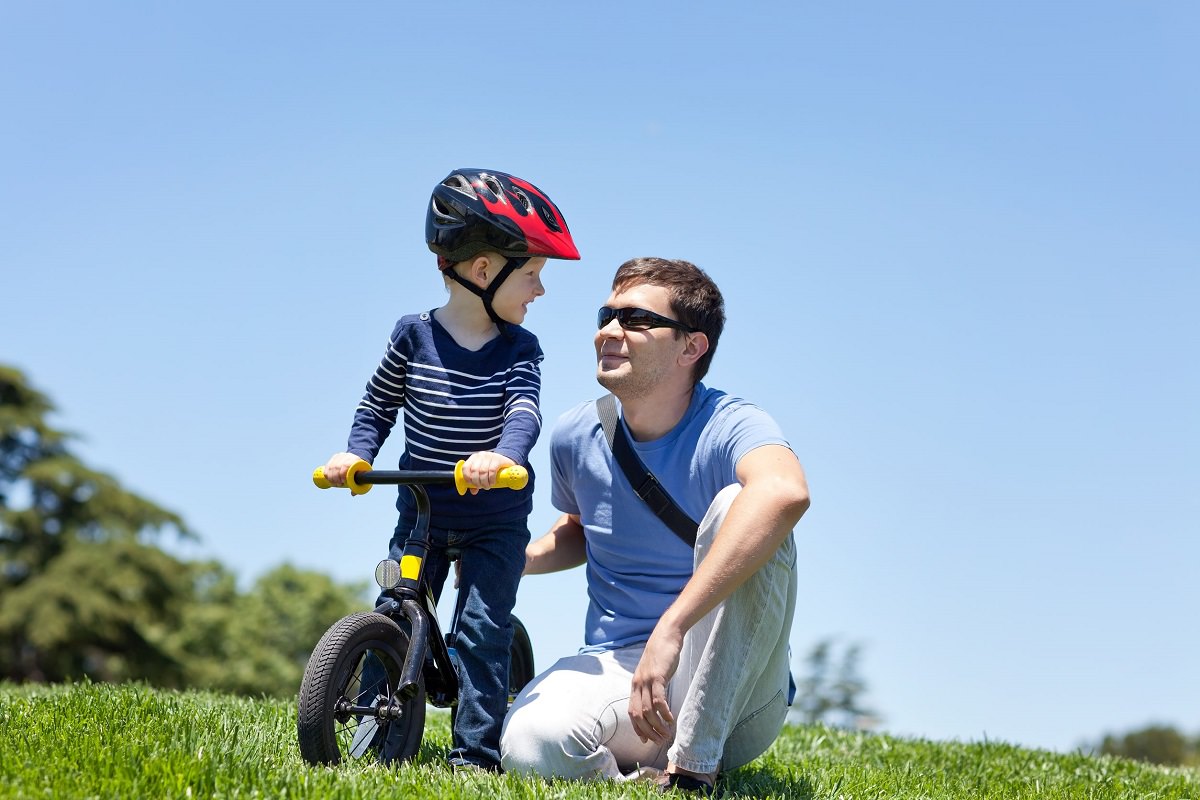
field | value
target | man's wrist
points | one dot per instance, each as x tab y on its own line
670	626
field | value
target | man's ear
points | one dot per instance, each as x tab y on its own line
697	346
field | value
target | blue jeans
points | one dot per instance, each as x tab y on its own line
491	559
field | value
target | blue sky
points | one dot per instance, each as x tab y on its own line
957	241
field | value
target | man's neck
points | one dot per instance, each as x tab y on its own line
652	417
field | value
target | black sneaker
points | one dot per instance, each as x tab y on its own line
685	784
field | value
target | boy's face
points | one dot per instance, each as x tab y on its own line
520	289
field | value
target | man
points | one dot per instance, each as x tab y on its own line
685	667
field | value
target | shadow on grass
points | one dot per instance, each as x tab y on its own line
767	780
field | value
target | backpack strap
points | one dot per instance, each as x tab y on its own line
641	479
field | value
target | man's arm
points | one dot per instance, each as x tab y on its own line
563	547
773	498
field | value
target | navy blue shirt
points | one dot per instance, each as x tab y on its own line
456	402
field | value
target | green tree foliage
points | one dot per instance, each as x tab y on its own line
85	591
1156	744
830	691
258	642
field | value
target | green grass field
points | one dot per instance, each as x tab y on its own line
101	741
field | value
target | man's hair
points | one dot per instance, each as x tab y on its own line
695	299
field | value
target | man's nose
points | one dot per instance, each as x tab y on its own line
612	330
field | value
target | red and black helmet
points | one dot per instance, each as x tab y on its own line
473	210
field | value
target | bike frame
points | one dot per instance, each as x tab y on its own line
412	598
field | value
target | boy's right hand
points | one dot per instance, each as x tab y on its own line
480	469
337	467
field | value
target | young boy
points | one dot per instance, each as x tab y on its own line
468	379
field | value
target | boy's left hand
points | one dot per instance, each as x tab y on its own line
481	469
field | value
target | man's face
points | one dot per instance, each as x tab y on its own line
633	363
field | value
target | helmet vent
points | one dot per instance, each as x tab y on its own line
444	214
548	217
522	205
492	186
459	184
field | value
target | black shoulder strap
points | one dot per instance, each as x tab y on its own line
641	479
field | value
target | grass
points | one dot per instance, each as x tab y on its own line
103	741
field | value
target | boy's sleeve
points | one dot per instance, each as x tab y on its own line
377	411
522	404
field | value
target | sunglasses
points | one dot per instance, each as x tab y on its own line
638	319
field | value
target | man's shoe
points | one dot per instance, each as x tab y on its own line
684	783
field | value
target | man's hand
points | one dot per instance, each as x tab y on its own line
648	707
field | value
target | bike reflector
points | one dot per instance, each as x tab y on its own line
387	574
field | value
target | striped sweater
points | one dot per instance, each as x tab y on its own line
456	402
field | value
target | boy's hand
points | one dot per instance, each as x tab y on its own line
337	467
481	468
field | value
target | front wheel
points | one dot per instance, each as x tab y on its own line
348	706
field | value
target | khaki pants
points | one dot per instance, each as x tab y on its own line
729	695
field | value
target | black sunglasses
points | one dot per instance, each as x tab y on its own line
638	319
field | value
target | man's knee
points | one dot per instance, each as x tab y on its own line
526	749
534	742
754	735
543	751
554	740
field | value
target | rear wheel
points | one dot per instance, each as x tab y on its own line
520	665
348	706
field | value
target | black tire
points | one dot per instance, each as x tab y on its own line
333	679
520	665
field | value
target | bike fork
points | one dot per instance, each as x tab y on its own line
414	659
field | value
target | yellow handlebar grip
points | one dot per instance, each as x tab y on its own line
513	477
321	482
508	478
351	484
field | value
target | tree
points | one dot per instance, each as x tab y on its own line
84	591
258	642
830	692
1155	744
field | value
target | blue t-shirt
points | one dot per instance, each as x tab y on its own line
636	566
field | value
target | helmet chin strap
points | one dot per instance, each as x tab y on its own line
486	295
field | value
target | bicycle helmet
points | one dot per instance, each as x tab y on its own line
473	210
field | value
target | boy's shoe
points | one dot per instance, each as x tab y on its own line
669	783
462	765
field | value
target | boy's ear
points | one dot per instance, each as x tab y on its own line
478	271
